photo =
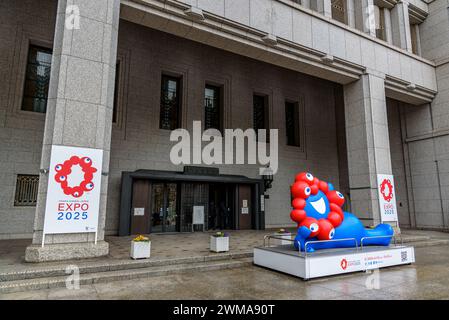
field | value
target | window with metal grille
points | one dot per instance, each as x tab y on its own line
292	123
37	79
170	103
26	190
260	115
339	10
212	107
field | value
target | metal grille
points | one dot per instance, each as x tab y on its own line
292	123
212	108
339	10
260	117
170	103
26	190
37	79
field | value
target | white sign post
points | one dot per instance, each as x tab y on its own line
73	195
387	198
198	216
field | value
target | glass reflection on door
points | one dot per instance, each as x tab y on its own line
171	215
157	207
163	204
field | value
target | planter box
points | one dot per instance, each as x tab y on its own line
219	244
140	249
286	236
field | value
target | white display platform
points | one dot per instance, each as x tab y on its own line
329	262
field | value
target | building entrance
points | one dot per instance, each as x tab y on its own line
164	202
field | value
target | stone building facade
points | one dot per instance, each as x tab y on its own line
369	78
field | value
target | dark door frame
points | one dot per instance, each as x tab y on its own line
173	176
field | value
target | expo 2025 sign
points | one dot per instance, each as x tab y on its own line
387	198
73	195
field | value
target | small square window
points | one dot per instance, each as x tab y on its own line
26	190
37	79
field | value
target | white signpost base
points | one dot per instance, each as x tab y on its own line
324	263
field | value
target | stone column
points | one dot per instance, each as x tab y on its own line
388	29
364	16
401	26
322	6
79	111
367	144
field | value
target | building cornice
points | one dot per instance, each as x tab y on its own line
408	92
217	31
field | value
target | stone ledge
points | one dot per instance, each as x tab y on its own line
66	251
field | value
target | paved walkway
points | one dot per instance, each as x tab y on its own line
163	246
427	279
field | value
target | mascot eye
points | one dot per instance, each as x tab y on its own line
332	234
76	194
314	227
309	177
340	195
62	178
307	191
58	168
90	186
87	160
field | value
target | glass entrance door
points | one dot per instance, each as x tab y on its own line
163	207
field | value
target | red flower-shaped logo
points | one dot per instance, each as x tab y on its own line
386	189
344	264
65	169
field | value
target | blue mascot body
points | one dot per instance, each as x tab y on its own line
317	210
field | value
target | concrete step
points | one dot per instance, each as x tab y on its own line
34	272
117	275
412	238
429	243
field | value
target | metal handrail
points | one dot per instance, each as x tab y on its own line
377	237
325	241
270	236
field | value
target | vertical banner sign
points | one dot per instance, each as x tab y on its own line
73	197
387	198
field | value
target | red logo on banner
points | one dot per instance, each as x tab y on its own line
344	264
64	170
386	189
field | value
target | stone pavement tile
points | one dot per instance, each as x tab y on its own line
86	292
374	295
340	285
419	290
383	277
25	295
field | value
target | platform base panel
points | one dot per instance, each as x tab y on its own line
324	263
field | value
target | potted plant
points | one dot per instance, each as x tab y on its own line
284	234
140	247
219	242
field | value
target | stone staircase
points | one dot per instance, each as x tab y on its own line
56	276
